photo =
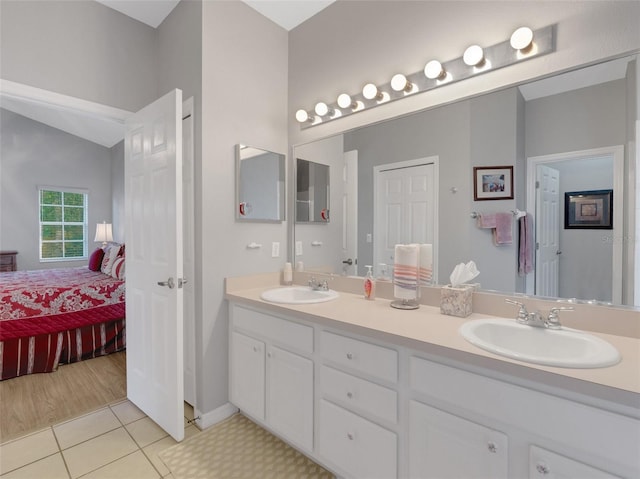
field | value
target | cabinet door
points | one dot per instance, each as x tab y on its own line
549	465
355	446
442	446
247	374
290	396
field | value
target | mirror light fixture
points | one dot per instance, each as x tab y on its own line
523	44
371	92
322	109
302	116
345	101
104	233
434	70
399	82
473	56
522	39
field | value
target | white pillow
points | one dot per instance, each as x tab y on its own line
110	254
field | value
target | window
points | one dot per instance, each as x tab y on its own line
63	224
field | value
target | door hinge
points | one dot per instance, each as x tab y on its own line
537	184
537	246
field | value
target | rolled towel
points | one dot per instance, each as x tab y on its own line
405	271
426	263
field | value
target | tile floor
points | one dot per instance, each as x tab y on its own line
117	441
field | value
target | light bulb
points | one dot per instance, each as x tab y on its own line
370	91
522	38
433	70
302	116
344	101
399	83
473	56
323	109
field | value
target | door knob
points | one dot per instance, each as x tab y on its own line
169	283
348	261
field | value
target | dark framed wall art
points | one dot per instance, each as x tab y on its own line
588	209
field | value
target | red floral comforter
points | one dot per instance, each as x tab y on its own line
26	294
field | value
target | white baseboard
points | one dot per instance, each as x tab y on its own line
205	420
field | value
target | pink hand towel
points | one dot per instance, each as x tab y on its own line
502	231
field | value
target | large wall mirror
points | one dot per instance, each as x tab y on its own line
260	185
580	125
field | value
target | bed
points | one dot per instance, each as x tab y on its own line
57	316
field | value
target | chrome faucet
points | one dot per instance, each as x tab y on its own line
317	285
537	319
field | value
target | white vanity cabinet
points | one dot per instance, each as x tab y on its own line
366	408
443	445
271	380
546	464
354	405
247	391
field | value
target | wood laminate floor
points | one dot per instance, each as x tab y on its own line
30	403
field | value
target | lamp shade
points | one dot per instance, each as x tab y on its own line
104	233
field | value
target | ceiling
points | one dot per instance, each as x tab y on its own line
286	13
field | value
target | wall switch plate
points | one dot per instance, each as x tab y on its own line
369	238
298	248
275	249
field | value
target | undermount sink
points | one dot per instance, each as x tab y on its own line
298	295
565	348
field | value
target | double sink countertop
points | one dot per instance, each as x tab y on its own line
435	336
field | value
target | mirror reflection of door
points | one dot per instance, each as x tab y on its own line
349	264
564	254
547	231
312	192
404	209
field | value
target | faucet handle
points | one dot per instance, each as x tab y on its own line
523	314
552	321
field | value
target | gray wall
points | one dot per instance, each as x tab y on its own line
244	100
79	48
33	154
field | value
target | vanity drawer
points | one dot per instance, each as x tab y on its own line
358	447
359	394
280	331
361	356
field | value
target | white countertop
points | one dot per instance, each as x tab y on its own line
428	331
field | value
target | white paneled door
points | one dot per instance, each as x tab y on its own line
153	219
547	231
404	208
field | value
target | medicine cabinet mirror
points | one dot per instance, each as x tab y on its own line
260	189
312	192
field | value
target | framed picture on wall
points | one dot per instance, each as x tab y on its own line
492	183
588	209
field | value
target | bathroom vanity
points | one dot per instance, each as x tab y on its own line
373	392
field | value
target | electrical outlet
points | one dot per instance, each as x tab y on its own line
298	248
275	249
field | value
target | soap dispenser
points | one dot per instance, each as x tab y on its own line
369	284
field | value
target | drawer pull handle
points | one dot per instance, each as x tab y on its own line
492	447
255	349
542	468
350	436
349	356
350	395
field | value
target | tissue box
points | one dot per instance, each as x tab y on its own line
457	301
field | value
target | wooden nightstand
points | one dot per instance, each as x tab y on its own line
8	261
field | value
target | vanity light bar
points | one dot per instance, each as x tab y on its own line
523	45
